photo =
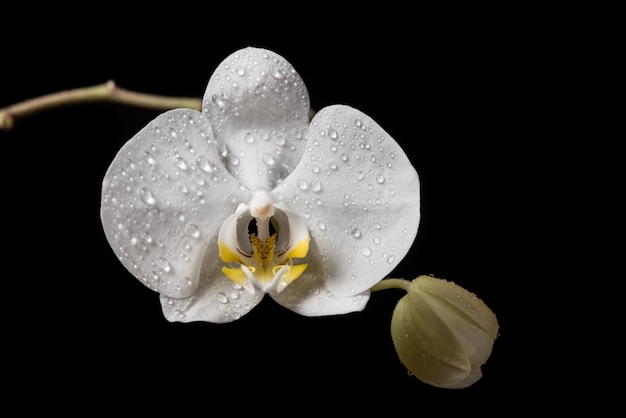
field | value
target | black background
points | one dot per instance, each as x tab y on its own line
452	87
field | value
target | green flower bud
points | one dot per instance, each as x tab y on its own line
443	333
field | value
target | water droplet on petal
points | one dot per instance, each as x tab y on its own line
248	137
366	251
180	163
280	140
149	158
360	175
316	186
233	160
204	164
269	159
193	230
276	73
376	240
179	215
163	264
147	237
321	225
218	100
241	71
146	196
380	178
332	134
302	185
221	297
355	232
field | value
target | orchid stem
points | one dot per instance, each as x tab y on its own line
106	92
391	284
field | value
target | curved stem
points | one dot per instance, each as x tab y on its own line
106	92
391	284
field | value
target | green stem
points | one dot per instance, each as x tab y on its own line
106	92
391	284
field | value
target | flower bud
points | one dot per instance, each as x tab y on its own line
443	333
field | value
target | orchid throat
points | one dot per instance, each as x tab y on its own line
259	242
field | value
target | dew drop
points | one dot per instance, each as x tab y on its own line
355	232
316	186
146	196
193	230
180	163
380	178
221	297
321	225
199	180
333	134
218	100
147	237
302	185
248	137
366	251
164	265
233	160
204	164
269	159
276	73
149	158
280	140
241	71
376	240
360	175
391	259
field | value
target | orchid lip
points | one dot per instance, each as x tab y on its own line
258	252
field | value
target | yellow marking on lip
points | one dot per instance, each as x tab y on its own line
300	250
227	254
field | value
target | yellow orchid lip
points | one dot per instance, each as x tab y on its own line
259	260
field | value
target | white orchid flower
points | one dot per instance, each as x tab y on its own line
215	209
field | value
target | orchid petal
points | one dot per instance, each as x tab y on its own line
361	197
164	198
217	299
309	297
258	106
